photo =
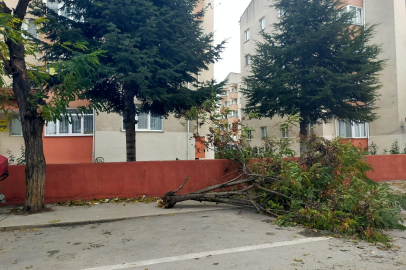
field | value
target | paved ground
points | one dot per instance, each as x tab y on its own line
62	215
222	239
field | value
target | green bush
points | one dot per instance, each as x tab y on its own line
327	188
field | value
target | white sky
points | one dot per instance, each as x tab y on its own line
227	14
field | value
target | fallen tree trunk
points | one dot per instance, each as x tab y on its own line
242	196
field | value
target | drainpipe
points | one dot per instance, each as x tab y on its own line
187	139
365	22
363	6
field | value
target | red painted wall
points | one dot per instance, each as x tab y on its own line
68	150
363	143
128	180
152	178
388	167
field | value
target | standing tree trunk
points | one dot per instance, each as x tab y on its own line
31	120
304	123
130	122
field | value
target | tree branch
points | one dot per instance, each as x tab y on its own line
21	9
4	8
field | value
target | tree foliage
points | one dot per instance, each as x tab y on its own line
326	188
38	97
315	63
153	50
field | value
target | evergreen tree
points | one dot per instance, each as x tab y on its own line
315	63
153	49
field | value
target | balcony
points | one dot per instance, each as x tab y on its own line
233	95
224	99
233	107
232	119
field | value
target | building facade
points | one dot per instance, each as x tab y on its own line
231	97
390	33
156	138
86	138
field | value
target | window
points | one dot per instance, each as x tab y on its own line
281	12
247	35
148	122
285	132
30	27
349	129
16	128
57	8
234	114
264	132
53	6
248	60
358	15
233	101
262	23
249	134
75	124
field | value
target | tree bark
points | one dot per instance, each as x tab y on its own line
130	122
31	120
304	123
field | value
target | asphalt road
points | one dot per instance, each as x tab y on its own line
223	239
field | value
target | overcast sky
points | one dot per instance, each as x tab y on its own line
227	14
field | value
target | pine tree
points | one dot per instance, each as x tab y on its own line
315	63
153	49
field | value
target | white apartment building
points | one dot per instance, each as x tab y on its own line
391	33
231	97
102	135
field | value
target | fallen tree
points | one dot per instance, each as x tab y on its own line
327	188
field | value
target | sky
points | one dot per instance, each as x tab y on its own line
227	15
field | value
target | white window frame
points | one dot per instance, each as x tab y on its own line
233	114
149	125
285	132
357	20
353	127
247	35
262	23
233	102
264	132
70	133
247	60
249	135
26	25
11	126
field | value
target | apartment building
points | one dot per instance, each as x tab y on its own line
231	97
88	137
390	15
391	33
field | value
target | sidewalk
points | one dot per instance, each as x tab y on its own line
69	216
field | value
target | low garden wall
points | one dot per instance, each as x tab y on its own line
153	178
66	182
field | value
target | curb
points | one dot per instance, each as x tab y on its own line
87	222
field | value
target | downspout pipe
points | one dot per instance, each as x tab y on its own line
94	135
187	139
365	22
